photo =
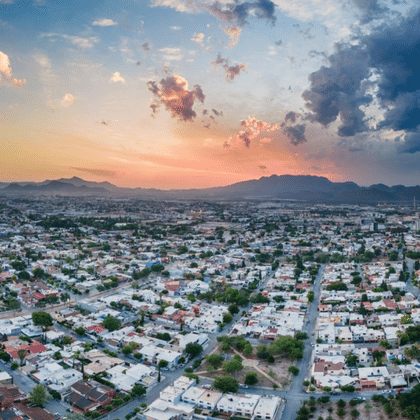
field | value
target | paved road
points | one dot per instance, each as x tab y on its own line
296	394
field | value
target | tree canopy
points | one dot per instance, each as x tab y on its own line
42	318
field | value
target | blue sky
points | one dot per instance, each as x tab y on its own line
194	93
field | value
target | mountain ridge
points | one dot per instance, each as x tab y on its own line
292	187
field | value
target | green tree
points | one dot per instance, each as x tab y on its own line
233	309
226	384
111	323
42	318
215	360
251	378
138	391
14	366
193	349
232	366
80	331
227	317
294	370
21	355
161	365
247	349
38	396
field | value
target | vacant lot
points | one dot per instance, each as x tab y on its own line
269	374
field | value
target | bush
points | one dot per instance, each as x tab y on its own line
14	366
294	370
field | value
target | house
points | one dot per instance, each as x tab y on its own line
267	407
209	399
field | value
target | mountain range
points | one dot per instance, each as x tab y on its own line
283	187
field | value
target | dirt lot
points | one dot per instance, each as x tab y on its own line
275	373
368	410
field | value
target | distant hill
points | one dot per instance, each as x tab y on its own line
300	187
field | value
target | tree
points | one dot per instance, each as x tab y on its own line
341	403
247	350
21	355
293	370
227	317
311	296
251	378
80	331
14	366
111	323
42	318
161	365
341	412
38	396
233	309
226	384
232	366
215	360
138	391
354	413
385	344
193	349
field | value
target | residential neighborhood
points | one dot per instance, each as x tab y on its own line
157	311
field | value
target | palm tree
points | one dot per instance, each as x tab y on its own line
21	355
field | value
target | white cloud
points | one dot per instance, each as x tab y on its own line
104	22
7	1
171	54
68	99
176	28
6	70
116	77
178	5
198	38
172	57
76	40
170	50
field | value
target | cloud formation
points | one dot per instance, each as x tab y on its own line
238	12
6	70
231	71
234	33
104	22
81	42
198	38
233	11
116	77
171	54
381	66
296	134
252	128
174	94
68	99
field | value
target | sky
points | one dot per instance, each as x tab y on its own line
201	93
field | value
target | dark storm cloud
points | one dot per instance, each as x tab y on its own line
291	117
173	93
390	53
338	90
238	13
296	134
368	10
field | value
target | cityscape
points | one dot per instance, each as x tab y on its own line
209	210
127	308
